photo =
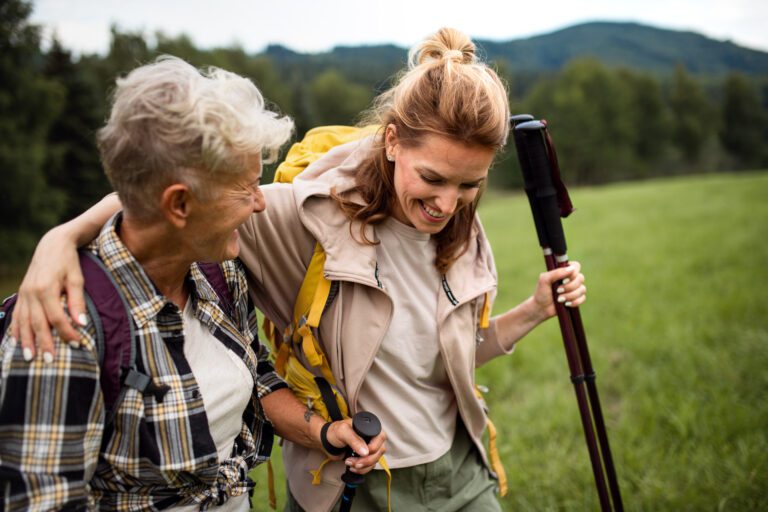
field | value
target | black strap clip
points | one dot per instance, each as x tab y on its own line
144	384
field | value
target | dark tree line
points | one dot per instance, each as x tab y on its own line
609	124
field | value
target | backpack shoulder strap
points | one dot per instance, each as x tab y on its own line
310	304
114	329
115	334
215	277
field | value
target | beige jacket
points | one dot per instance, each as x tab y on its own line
276	247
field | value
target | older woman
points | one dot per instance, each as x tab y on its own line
184	152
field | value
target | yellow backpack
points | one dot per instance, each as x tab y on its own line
320	392
314	291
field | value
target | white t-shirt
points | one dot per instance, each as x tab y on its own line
407	386
225	385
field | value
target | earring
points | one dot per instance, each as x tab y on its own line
390	157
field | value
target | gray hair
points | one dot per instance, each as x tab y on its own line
171	123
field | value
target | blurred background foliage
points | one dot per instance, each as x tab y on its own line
624	102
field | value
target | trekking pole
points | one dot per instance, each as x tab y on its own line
549	201
367	426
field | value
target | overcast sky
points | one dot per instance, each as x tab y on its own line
311	26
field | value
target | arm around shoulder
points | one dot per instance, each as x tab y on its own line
54	271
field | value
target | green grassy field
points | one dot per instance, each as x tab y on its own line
678	330
677	326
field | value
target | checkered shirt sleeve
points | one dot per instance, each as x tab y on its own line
51	425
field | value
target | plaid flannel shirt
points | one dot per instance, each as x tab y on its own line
54	450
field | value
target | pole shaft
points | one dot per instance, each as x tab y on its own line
597	410
578	380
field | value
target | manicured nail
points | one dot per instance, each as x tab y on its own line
566	280
27	354
560	290
568	304
363	451
82	319
561	299
74	344
47	357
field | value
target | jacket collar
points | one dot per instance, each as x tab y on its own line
346	256
472	274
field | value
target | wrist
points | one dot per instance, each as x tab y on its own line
330	449
64	235
534	312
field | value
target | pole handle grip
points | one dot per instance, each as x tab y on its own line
367	426
535	158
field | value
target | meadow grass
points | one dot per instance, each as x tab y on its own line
676	323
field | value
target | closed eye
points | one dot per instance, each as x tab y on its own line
431	180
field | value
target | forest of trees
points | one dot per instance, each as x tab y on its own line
609	123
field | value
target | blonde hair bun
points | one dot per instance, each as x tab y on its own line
447	44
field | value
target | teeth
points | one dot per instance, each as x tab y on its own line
432	212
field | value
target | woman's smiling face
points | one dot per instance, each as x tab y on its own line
435	179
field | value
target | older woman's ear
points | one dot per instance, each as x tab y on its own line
175	204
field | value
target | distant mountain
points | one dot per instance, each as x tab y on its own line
370	65
629	45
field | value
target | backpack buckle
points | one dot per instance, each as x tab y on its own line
144	384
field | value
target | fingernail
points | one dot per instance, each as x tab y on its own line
348	462
74	344
560	290
561	299
82	319
568	304
360	465
569	268
12	341
363	451
27	354
566	280
47	357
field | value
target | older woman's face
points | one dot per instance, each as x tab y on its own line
214	230
436	179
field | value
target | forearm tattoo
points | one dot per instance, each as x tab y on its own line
308	415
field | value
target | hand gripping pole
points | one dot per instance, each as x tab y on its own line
549	201
367	426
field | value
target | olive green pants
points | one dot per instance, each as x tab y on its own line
457	481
